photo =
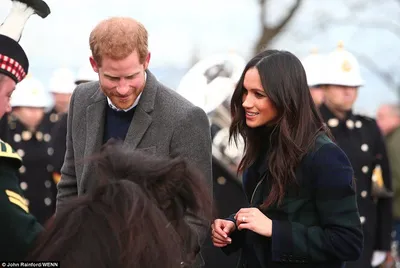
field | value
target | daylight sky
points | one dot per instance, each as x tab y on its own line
179	27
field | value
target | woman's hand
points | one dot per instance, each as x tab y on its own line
220	231
253	219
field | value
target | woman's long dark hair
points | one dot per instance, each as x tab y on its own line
292	134
133	217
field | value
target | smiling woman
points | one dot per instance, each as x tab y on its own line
258	107
298	182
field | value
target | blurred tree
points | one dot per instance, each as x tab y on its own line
268	32
385	74
388	77
325	21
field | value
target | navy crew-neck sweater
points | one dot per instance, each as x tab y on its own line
117	123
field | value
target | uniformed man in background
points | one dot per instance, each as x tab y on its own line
61	87
29	134
18	228
361	140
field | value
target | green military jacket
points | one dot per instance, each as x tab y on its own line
18	228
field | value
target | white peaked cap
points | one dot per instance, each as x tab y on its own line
87	74
62	81
30	92
343	68
316	68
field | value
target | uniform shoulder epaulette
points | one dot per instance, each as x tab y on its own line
6	151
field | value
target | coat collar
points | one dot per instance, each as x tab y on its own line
350	120
95	118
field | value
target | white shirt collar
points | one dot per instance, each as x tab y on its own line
112	106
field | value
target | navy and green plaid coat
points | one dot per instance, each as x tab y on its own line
317	224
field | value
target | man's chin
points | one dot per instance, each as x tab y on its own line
123	106
347	108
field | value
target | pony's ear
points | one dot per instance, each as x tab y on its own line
175	183
166	183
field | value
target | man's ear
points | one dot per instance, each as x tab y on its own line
95	67
147	61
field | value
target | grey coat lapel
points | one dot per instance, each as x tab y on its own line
142	118
95	114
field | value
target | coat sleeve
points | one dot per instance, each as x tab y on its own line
384	205
67	186
236	236
19	229
339	235
192	141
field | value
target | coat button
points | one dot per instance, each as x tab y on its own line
221	180
50	151
358	124
47	201
364	147
365	169
21	152
39	136
22	170
17	137
47	184
49	168
26	135
23	185
364	194
46	137
333	122
54	117
350	124
362	219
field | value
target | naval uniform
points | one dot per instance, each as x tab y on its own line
35	175
59	140
53	116
360	138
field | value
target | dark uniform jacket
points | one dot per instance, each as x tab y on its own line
18	228
317	224
53	116
58	143
35	175
359	137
